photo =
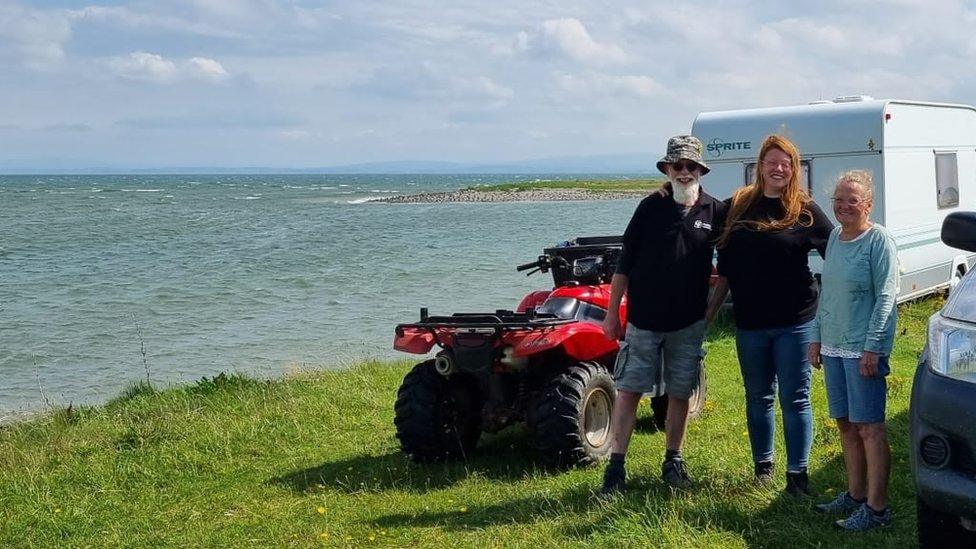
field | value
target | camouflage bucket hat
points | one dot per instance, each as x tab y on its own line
683	147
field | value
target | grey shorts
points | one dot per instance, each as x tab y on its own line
645	353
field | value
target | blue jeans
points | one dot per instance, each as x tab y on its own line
771	357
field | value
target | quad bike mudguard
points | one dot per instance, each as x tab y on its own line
581	341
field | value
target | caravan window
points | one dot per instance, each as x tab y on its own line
804	174
946	179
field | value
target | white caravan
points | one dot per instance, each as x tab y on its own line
922	156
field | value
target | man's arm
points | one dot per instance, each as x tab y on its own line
719	292
611	324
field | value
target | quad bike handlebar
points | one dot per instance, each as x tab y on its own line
544	263
591	264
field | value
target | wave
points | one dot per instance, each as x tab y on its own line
363	200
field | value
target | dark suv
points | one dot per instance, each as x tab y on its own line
943	410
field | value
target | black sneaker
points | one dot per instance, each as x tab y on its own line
764	472
674	471
614	481
797	483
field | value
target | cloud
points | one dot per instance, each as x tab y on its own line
224	119
144	66
838	40
427	81
593	83
152	67
205	68
67	127
35	38
127	18
568	37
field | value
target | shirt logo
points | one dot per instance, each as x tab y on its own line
699	224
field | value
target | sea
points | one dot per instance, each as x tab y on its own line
109	280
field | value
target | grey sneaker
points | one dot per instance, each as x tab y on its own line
864	519
843	504
614	482
674	471
764	472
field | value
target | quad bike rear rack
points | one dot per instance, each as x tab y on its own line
500	320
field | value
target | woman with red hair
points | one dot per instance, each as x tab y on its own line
771	227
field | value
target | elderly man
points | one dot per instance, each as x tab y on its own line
664	270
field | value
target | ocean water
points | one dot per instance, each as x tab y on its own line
260	274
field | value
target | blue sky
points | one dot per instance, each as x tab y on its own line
303	84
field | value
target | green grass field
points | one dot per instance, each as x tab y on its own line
595	185
312	460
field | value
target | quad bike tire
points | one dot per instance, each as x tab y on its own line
437	418
696	403
572	415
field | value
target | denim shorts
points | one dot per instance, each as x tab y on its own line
644	353
855	397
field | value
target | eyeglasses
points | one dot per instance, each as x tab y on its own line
680	166
783	165
852	202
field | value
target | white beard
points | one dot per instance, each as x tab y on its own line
685	194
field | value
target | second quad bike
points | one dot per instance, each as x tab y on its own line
546	364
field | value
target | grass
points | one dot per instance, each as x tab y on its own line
312	461
594	185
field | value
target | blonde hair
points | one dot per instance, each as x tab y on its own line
794	198
861	178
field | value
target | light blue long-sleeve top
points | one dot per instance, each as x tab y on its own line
857	309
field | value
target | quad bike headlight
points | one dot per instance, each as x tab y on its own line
952	348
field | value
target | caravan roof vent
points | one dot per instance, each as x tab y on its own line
820	102
852	98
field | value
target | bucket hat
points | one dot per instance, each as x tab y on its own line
683	147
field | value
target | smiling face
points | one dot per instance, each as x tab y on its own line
776	168
852	204
684	172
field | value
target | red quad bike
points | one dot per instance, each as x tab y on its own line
547	364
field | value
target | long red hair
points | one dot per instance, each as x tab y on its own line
794	198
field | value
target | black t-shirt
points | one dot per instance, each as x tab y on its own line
768	273
667	256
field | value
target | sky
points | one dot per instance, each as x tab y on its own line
300	84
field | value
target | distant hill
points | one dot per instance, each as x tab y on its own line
594	164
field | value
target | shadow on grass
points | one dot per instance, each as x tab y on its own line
516	511
788	521
575	501
505	456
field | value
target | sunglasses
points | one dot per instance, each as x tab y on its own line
680	166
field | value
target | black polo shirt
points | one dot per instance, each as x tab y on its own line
667	256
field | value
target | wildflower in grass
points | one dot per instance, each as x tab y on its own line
372	537
464	509
324	535
321	510
57	510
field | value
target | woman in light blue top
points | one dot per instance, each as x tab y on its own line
853	333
